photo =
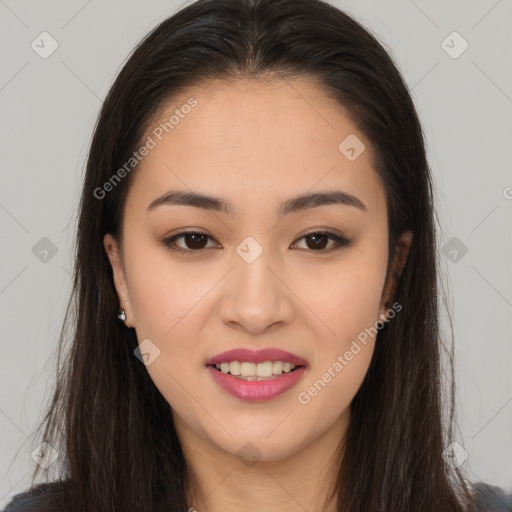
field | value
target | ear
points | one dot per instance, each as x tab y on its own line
397	266
114	255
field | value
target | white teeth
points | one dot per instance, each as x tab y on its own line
277	367
234	368
255	371
264	369
248	369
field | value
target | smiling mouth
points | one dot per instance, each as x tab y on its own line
267	370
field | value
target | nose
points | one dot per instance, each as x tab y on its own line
256	298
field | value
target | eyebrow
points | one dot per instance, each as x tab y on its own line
294	204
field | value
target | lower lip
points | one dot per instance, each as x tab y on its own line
256	390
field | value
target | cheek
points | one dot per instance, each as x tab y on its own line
166	303
163	293
344	352
346	297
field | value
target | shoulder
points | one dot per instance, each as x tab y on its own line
45	497
489	498
48	497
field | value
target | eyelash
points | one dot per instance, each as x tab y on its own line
341	242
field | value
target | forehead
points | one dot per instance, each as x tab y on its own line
277	137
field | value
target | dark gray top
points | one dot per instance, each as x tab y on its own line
489	499
492	499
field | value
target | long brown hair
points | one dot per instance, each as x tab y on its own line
111	426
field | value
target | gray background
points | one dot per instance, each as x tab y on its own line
49	106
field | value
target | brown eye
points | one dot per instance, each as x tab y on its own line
319	241
193	241
196	241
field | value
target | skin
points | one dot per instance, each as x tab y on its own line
256	143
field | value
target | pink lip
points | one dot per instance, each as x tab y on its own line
256	390
256	356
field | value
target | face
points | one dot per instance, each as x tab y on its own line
265	273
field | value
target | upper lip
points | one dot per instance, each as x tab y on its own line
256	356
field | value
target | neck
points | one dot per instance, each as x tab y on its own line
219	481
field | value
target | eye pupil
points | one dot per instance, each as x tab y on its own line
318	239
197	238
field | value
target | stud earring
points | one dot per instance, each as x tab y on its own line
121	315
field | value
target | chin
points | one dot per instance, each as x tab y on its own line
259	442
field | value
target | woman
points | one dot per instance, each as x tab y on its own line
255	292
